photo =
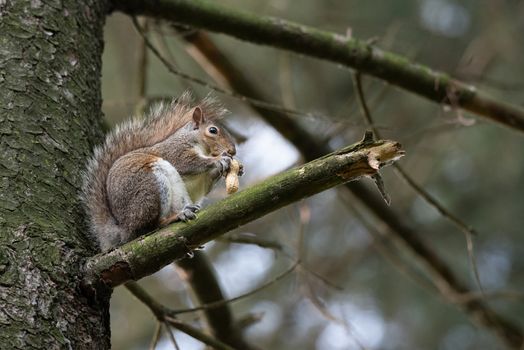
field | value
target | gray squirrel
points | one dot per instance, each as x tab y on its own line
153	171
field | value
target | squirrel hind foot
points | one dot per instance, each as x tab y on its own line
187	213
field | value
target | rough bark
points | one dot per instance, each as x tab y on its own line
50	60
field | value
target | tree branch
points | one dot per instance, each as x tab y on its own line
148	254
365	57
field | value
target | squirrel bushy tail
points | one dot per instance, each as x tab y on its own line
163	120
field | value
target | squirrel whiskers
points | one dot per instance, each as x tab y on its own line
156	170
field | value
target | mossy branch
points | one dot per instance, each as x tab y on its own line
395	69
150	253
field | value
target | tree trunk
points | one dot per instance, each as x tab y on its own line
50	60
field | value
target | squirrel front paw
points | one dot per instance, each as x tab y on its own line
223	165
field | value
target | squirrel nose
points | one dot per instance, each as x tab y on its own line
232	150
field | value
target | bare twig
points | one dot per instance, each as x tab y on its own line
242	238
197	334
207	66
165	52
270	244
156	336
497	294
357	82
142	71
156	308
249	319
307	289
240	297
321	278
171	335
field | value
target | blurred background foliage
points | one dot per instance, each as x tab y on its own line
474	167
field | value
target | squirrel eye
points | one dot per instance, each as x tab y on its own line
213	130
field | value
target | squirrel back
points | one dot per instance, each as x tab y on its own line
162	121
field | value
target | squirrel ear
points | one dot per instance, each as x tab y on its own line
198	117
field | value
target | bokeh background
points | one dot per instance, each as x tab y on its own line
370	293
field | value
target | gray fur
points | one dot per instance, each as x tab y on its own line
132	182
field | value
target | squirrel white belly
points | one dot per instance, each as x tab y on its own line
152	171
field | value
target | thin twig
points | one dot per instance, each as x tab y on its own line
240	297
156	308
357	82
309	293
142	71
208	66
251	239
199	274
497	294
285	78
171	336
270	244
321	278
197	334
249	319
156	336
321	307
166	52
304	219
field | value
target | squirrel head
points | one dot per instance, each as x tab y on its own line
213	136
